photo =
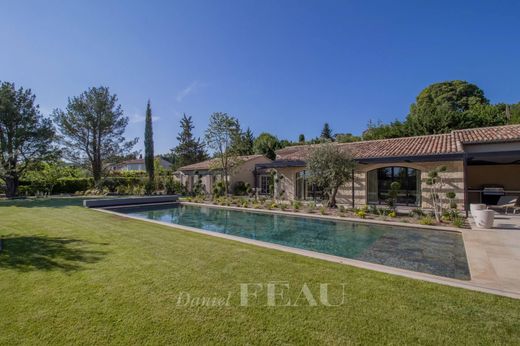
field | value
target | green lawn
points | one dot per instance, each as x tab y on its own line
72	275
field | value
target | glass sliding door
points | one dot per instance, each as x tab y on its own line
379	181
305	190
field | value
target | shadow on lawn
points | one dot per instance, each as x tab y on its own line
28	253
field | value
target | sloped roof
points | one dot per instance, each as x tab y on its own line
430	145
212	163
141	161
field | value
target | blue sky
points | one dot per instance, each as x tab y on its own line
280	66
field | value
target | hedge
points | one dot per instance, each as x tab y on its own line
72	185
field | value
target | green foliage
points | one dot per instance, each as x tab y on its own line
26	137
219	136
266	144
442	107
458	222
418	212
92	129
190	149
148	144
301	138
326	133
395	186
243	142
330	167
427	220
323	210
149	187
219	189
242	189
173	186
361	213
65	185
346	138
311	207
394	129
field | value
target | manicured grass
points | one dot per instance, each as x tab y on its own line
72	275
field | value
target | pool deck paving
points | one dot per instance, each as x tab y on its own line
493	254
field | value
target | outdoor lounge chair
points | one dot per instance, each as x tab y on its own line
505	203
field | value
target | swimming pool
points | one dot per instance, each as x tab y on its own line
422	250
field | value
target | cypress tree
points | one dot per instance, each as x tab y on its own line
148	144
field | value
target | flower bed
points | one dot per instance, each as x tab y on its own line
452	218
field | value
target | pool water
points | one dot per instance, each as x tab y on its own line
428	251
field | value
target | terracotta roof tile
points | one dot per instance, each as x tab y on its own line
440	144
212	163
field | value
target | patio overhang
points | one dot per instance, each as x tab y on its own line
281	164
491	171
418	158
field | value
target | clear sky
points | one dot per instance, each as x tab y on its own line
280	66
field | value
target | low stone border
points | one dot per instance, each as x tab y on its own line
470	285
106	202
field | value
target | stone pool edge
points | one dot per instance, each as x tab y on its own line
470	284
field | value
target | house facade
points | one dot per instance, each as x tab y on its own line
209	172
138	165
481	164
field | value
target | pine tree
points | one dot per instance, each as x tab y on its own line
301	138
326	133
189	150
148	143
242	142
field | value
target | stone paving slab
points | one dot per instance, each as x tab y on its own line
494	254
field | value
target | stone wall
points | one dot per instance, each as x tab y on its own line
453	179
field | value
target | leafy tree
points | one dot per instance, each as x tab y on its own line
47	174
381	131
242	143
148	144
326	133
92	128
301	138
330	167
442	107
25	136
512	113
219	135
346	138
267	144
190	149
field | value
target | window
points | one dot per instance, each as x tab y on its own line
304	189
379	181
264	184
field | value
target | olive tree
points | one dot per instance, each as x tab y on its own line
219	136
330	167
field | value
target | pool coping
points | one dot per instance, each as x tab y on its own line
470	284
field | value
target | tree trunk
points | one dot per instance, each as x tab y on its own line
332	199
96	171
12	183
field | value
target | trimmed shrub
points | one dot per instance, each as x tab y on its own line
242	189
73	185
